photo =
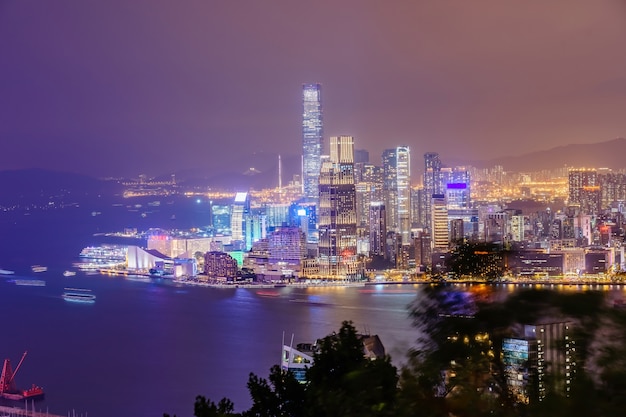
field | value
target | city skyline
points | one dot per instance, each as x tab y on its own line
154	87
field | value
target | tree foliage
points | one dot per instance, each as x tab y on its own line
477	259
456	368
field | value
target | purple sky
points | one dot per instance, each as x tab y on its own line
124	87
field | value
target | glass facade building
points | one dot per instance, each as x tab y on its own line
337	213
312	139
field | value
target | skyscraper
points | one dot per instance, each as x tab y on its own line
312	137
433	184
397	191
337	212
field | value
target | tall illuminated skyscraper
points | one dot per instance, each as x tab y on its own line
433	184
337	212
397	191
312	139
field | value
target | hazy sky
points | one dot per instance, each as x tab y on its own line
122	86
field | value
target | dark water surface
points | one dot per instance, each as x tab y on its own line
149	347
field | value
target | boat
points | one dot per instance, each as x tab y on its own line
38	268
8	389
30	282
6	272
69	273
79	295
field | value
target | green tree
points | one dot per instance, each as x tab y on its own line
282	396
477	259
342	382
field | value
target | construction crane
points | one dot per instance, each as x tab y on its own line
7	379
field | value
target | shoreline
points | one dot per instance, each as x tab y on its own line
264	285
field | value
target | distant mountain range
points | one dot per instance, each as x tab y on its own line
261	171
608	154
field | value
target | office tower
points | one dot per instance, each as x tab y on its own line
397	191
439	226
239	212
377	229
312	139
457	189
337	212
433	183
584	190
368	190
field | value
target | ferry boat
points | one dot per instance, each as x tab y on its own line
38	268
69	273
30	282
79	295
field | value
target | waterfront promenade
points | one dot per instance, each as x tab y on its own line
585	280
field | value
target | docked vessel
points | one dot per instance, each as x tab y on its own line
9	390
38	268
79	295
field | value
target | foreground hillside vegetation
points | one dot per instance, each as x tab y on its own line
458	368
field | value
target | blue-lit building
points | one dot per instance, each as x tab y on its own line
457	189
433	184
312	139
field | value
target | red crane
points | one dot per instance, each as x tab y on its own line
8	388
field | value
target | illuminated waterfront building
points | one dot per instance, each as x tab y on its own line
312	139
287	250
397	191
240	210
220	265
178	247
337	212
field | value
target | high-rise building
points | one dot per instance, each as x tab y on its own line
584	190
312	139
337	212
433	184
377	229
240	210
439	227
397	191
457	189
368	190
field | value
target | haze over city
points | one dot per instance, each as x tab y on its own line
122	88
